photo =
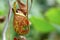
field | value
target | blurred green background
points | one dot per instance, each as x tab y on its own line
44	17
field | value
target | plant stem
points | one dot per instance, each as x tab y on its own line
7	21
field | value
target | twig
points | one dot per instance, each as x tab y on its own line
7	21
30	6
27	9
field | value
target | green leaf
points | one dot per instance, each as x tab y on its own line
1	12
41	25
53	15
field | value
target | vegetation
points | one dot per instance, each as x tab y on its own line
44	19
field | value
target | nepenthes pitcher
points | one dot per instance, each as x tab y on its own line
21	22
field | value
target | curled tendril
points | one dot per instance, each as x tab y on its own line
14	7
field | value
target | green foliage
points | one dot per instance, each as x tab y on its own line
1	12
53	15
41	25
